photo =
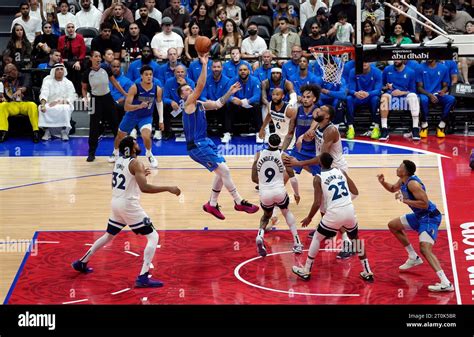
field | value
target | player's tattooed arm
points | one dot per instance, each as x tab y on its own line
138	170
316	202
254	168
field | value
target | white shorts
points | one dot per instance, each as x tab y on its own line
128	213
336	218
274	197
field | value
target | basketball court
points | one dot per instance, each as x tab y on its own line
55	205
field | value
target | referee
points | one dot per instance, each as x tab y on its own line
96	79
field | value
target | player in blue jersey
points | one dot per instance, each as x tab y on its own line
139	106
302	76
364	89
202	149
400	94
432	84
425	219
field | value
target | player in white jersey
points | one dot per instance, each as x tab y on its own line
327	139
268	171
128	180
335	189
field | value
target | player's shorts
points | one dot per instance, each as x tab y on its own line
428	224
336	218
130	120
315	169
127	212
273	197
205	153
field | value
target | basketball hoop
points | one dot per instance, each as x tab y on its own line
331	60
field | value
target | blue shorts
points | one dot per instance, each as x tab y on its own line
315	169
427	223
130	120
205	153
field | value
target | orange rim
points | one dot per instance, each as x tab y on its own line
333	50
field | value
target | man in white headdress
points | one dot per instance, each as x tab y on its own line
57	103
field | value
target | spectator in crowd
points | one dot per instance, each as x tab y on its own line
148	25
347	7
18	101
432	85
426	34
281	43
245	104
151	11
405	22
54	58
172	103
400	90
57	99
370	32
232	66
211	6
108	13
264	71
373	10
134	42
146	58
36	10
166	39
118	21
364	90
466	62
258	7
190	6
466	6
220	23
189	42
282	10
309	9
398	35
167	70
429	12
230	38
314	39
52	19
253	46
207	25
64	16
19	47
302	76
43	44
124	82
32	26
233	11
88	16
277	81
217	85
194	69
455	21
106	40
178	14
322	18
342	30
108	58
73	53
291	67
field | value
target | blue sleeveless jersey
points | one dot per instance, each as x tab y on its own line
408	195
195	124
144	96
303	122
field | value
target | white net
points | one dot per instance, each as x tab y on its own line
332	66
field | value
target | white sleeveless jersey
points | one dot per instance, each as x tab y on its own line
335	189
282	123
124	185
271	170
335	150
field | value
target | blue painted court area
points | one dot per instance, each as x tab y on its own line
78	146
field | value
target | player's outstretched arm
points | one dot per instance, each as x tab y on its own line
291	113
316	202
201	82
266	121
216	105
392	188
352	186
138	170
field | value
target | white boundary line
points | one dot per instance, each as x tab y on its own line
241	279
71	302
414	149
448	227
131	253
120	291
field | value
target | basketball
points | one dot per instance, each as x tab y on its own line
203	45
